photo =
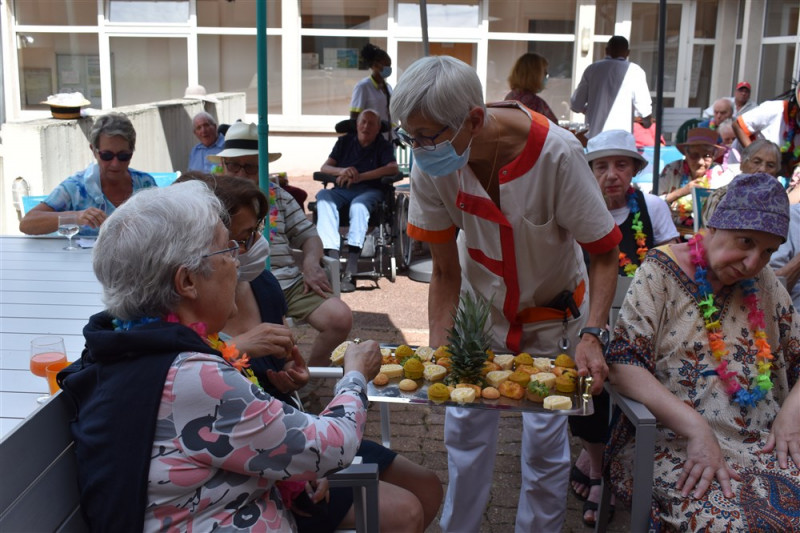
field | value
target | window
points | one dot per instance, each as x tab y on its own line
151	11
241	14
147	69
344	14
60	13
781	18
457	14
532	17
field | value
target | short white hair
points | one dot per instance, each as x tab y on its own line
440	88
143	243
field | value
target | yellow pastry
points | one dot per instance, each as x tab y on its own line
413	368
496	377
490	393
523	378
381	379
438	392
523	359
564	361
548	378
440	352
505	361
337	357
403	351
463	395
542	363
434	372
392	371
445	362
489	366
425	353
407	385
565	383
528	369
476	388
512	390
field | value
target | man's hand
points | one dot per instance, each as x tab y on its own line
315	279
293	376
590	361
92	217
348	176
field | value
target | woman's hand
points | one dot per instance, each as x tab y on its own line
293	376
704	462
784	438
92	217
364	357
266	339
319	490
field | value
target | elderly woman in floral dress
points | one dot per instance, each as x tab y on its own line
709	341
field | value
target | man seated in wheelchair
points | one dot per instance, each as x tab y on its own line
358	160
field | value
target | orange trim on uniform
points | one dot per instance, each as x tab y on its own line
744	127
606	244
480	207
492	265
540	314
435	237
511	280
537	135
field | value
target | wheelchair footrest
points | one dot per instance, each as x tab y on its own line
366	275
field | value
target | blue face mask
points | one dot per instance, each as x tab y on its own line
386	72
443	160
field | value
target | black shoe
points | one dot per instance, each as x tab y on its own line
347	284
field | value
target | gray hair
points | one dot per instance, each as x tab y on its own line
143	243
723	100
206	115
113	124
440	88
756	146
369	110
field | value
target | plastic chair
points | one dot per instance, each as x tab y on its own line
645	425
680	135
29	202
164	179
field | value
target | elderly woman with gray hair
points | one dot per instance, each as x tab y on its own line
169	433
96	191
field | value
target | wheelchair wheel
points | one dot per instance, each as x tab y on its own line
403	242
392	269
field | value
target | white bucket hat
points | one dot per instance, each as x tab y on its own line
614	142
240	140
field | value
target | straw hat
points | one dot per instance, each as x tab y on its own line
701	137
66	105
198	92
240	140
614	142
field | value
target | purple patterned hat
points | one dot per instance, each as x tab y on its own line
755	202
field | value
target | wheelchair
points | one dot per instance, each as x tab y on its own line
386	246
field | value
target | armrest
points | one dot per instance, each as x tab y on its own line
387	181
636	412
327	179
363	478
326	372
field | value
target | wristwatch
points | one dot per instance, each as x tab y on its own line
600	333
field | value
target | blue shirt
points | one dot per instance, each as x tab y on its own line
348	152
82	190
198	158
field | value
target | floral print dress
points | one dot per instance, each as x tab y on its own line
661	328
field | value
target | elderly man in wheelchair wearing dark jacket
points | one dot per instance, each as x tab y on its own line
358	161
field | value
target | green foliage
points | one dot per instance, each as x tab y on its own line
468	340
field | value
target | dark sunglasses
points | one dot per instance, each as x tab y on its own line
108	155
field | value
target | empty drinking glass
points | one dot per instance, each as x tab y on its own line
68	227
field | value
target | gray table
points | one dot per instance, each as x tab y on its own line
44	290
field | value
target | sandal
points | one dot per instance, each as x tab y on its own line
576	476
592	506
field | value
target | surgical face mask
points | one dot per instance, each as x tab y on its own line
443	160
386	72
253	262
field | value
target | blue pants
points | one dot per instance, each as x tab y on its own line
361	203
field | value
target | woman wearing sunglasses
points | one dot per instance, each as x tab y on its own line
95	192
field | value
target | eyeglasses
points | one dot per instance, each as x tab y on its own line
108	155
232	249
245	244
699	155
249	168
423	141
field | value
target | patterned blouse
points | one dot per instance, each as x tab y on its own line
221	443
661	329
676	175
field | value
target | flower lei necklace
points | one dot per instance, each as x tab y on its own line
229	353
788	137
628	266
762	383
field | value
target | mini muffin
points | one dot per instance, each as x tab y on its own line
565	383
489	366
392	371
556	402
438	392
523	359
434	372
523	378
512	390
537	391
407	385
425	353
463	395
548	378
542	363
337	356
413	368
496	377
505	361
490	393
403	351
564	361
381	379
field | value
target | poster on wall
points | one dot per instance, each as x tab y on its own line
37	85
79	73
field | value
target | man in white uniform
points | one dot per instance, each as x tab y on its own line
520	192
612	90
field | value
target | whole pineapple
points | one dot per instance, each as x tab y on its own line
468	340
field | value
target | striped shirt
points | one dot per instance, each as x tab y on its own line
291	230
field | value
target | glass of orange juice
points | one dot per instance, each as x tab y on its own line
52	371
44	352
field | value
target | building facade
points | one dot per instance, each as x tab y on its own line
125	52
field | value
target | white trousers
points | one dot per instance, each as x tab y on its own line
470	436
